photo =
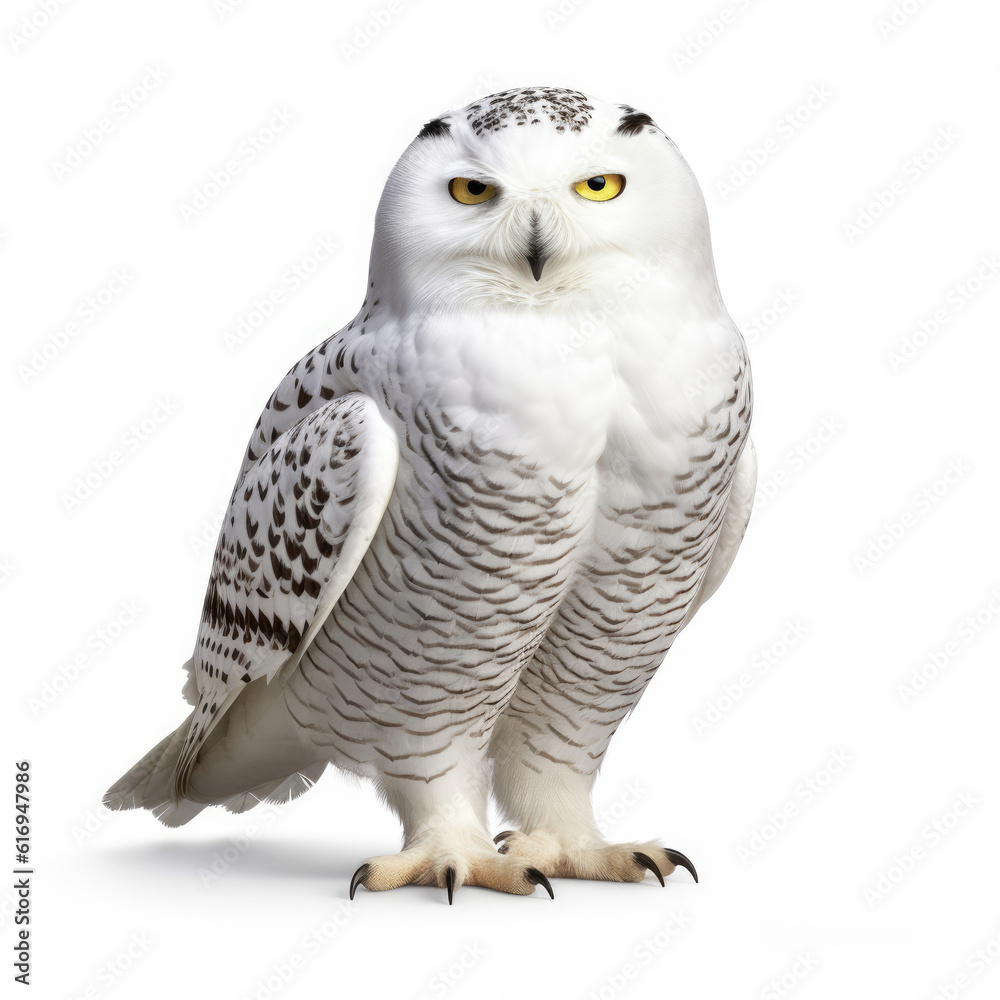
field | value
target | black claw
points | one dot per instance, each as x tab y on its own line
449	880
503	836
647	862
676	858
535	877
358	878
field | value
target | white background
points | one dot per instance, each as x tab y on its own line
873	544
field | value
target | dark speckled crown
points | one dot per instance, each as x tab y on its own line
568	110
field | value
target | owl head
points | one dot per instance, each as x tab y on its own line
537	198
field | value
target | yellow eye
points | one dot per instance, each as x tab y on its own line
470	192
603	187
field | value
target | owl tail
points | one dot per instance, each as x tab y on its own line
149	784
254	753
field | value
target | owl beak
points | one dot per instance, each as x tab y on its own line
536	255
537	261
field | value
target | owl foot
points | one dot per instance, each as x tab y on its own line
449	870
549	853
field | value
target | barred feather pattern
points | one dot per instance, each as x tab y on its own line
502	589
275	555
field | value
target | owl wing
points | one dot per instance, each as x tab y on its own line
300	521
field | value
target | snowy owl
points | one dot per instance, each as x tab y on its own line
469	525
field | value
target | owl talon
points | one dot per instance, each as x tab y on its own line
535	877
503	836
442	866
544	848
647	862
679	860
358	878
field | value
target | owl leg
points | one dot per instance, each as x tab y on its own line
445	838
547	746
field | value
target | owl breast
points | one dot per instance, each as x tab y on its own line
555	489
